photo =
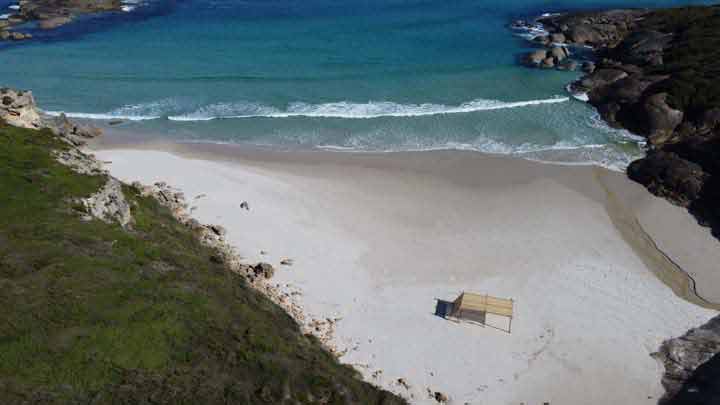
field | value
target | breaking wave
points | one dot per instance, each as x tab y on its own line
342	109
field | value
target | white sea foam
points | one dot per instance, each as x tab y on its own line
14	7
108	116
349	110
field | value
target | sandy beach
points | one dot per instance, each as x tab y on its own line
375	239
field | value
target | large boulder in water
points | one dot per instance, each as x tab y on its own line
536	58
54	22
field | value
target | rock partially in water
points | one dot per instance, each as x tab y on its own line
535	58
54	22
73	132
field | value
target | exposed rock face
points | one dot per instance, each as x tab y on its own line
692	366
670	176
18	108
109	204
73	132
662	120
655	75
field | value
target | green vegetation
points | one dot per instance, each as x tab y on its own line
693	58
92	313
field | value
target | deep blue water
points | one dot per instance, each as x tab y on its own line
360	74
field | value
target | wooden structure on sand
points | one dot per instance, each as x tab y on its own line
474	308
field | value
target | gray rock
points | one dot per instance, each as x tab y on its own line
73	132
18	109
683	355
643	48
54	22
661	118
584	34
109	204
17	36
602	77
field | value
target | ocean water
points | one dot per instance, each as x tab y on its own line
370	75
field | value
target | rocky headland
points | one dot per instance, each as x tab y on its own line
128	299
50	14
654	73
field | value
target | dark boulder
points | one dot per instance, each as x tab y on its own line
602	77
670	176
264	270
692	366
642	48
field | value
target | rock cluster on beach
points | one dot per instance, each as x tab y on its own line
50	14
655	74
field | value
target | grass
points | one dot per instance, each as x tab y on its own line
96	314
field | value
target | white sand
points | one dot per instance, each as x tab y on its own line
376	238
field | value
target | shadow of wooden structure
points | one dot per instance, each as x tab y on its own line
473	308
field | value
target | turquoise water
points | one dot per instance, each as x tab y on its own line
341	74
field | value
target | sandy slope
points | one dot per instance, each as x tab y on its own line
376	239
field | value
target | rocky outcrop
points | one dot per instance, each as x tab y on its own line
75	133
109	204
51	14
692	366
17	108
654	73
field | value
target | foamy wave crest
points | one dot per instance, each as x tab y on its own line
130	112
100	116
349	110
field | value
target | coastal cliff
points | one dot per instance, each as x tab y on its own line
655	74
112	293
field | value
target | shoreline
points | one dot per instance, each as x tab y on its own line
439	184
668	270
